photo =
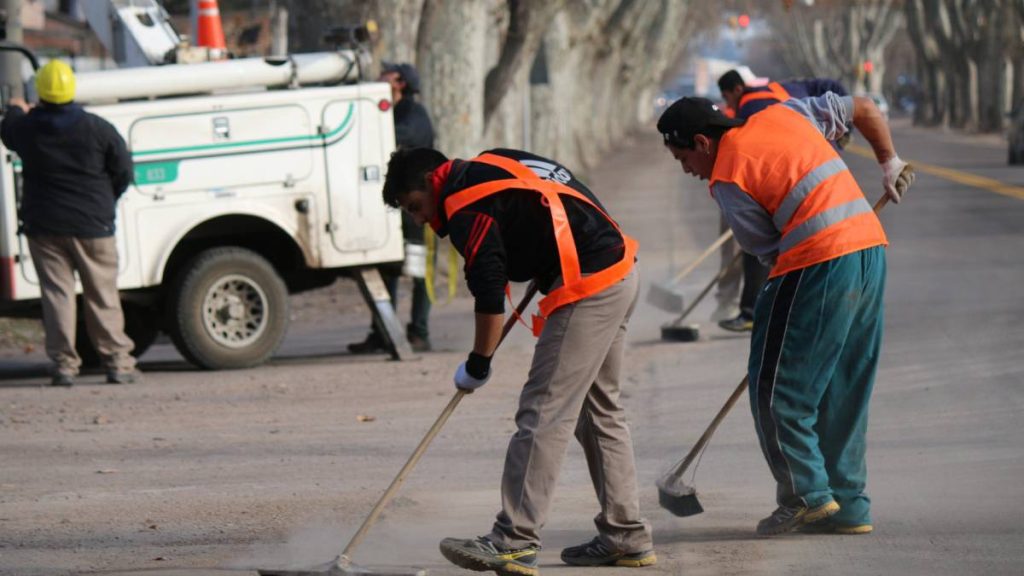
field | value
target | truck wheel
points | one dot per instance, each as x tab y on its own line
140	324
228	308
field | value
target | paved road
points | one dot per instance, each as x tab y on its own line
268	466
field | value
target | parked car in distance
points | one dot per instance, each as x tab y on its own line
1015	149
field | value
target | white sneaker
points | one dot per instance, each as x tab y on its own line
725	311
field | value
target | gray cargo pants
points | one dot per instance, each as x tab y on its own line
56	258
574	385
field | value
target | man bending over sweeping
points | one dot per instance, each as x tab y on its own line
518	217
792	201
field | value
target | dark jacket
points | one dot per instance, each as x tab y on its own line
509	236
412	130
797	88
75	166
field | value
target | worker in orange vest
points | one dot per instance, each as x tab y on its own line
514	216
743	102
792	201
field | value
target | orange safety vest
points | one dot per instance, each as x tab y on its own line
575	286
775	91
781	160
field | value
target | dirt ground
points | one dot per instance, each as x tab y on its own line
196	472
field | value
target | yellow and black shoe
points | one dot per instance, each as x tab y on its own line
829	526
481	554
741	323
596	553
786	518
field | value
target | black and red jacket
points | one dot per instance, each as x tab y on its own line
509	236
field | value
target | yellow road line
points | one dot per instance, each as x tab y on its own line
957	176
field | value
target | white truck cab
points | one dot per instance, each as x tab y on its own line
239	198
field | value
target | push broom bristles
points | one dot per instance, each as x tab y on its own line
677	497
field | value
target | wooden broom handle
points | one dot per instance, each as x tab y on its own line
368	523
706	436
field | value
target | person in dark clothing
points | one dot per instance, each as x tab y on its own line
75	166
413	129
745	101
500	210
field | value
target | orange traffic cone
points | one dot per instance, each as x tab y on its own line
209	31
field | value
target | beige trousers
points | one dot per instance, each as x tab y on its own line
56	259
573	387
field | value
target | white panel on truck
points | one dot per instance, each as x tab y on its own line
223	149
355	176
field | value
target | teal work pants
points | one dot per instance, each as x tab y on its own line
813	356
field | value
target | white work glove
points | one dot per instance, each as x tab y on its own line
473	373
897	176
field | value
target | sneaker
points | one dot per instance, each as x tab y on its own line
419	343
482	554
63	380
596	553
829	526
129	377
373	343
725	311
786	518
740	323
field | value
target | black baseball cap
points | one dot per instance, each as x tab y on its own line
690	116
408	73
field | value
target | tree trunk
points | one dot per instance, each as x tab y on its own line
451	66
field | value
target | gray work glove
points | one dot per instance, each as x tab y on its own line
897	176
473	373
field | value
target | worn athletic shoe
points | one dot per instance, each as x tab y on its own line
481	554
829	526
786	518
596	553
419	343
741	323
129	377
62	380
373	343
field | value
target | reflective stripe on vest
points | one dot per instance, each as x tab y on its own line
780	159
774	91
575	286
803	188
822	220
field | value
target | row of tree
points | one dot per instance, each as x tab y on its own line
564	78
968	54
567	78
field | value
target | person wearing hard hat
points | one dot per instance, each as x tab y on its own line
791	200
75	166
518	217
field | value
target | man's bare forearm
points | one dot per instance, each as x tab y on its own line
869	121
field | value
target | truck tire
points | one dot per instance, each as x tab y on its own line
140	324
228	309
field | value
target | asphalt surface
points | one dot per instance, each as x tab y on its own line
191	471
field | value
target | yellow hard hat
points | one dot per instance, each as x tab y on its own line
55	82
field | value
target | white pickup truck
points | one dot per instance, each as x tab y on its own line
253	179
